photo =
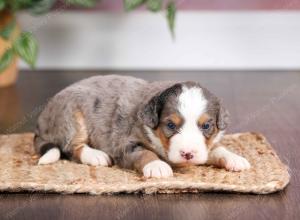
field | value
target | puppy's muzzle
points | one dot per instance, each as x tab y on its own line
186	155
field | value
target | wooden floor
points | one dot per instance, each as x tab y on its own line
267	102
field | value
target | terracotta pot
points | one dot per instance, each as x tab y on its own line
10	74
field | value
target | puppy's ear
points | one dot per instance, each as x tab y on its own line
150	113
223	118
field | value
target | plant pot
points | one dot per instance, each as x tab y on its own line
10	74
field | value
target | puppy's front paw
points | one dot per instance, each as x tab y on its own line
223	158
234	162
158	169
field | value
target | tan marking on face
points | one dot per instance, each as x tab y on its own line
203	119
176	119
164	140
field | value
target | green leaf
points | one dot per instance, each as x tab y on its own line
26	47
132	4
82	3
2	4
171	15
15	5
6	59
42	6
7	29
154	5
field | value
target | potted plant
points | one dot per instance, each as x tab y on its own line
15	43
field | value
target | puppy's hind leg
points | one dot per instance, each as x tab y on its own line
91	156
83	153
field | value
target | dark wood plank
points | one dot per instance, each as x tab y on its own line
266	102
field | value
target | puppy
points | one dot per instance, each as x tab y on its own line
148	127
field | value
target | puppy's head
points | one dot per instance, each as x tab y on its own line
183	121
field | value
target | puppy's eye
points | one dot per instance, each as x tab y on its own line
171	125
205	126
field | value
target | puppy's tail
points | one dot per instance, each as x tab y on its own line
49	152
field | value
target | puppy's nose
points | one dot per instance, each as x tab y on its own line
186	155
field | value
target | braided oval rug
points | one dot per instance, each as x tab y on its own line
19	172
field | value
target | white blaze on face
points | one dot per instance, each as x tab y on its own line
192	104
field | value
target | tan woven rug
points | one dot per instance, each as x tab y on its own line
19	172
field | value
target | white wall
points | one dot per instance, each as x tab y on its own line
141	40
